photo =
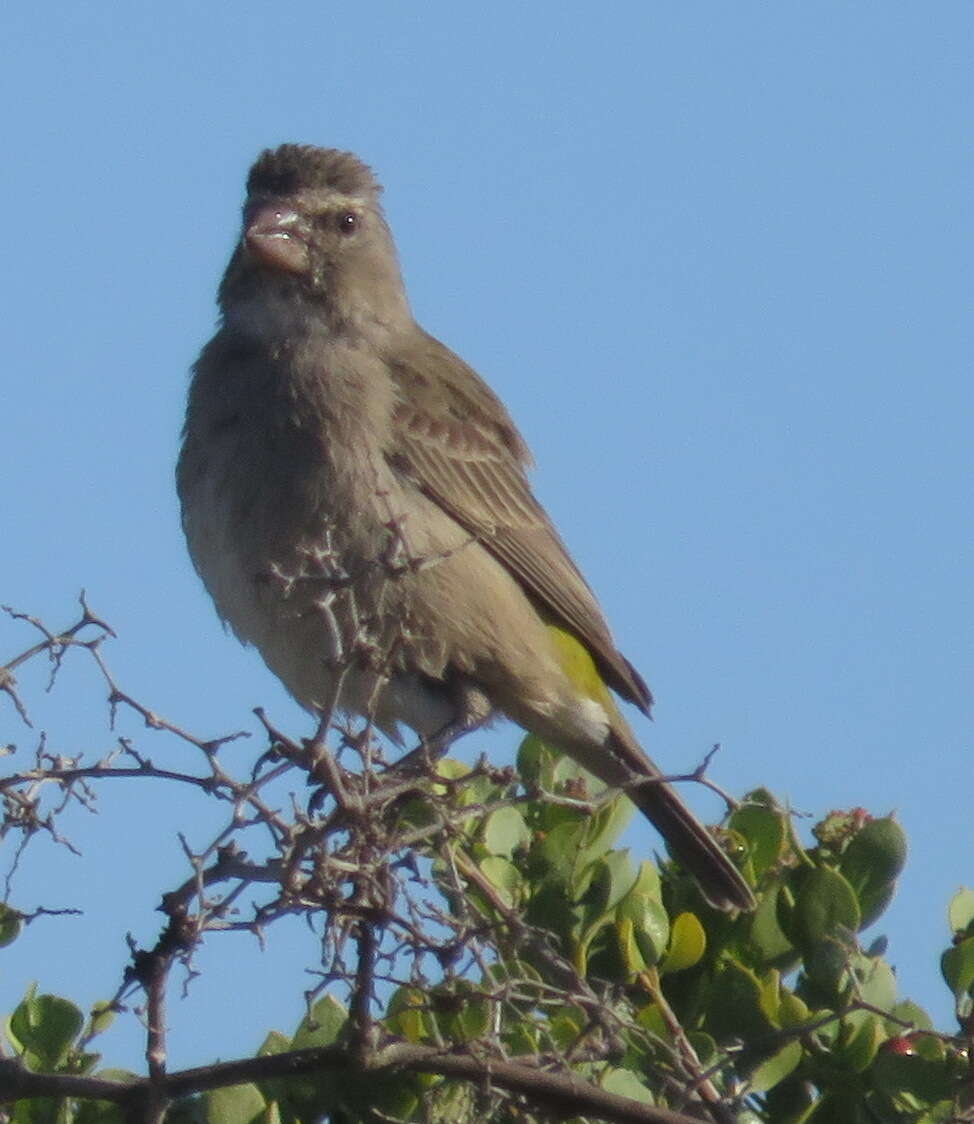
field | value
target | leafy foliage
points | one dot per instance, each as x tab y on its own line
491	953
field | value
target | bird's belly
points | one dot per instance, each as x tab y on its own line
323	595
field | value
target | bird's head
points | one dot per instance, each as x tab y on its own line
313	229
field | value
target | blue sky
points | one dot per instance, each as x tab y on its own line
717	260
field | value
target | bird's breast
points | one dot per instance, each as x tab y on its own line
287	500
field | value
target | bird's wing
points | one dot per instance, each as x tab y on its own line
455	440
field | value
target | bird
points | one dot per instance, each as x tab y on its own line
356	501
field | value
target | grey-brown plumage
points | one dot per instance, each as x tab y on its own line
355	499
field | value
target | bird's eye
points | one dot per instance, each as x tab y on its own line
347	222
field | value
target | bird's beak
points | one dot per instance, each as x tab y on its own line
275	236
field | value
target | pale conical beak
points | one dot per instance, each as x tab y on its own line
275	236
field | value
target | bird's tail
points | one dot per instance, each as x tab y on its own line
614	754
690	842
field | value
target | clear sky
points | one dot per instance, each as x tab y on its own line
717	259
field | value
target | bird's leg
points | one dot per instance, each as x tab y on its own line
472	710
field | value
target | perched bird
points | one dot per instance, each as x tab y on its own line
355	500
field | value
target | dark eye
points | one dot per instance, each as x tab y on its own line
347	222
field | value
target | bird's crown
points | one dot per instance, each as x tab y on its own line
291	167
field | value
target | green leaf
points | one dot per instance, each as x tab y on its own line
550	909
521	1037
274	1089
605	826
446	1103
766	834
409	1015
462	794
767	936
824	903
461	1011
909	1012
827	980
43	1028
10	925
957	965
898	1074
274	1043
862	1033
772	1071
536	761
561	852
100	1018
624	1083
871	863
633	961
960	912
524	976
480	790
791	1010
237	1104
100	1112
648	882
650	925
451	770
650	1018
321	1026
877	981
688	942
547	768
734	1004
107	1112
473	1020
770	984
836	1108
566	1027
505	831
705	1047
790	1102
124	1075
612	878
503	876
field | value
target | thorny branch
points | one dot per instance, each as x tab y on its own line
378	860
